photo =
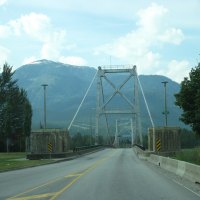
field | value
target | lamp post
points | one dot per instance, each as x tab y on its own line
165	102
45	117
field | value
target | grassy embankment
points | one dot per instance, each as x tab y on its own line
189	155
12	161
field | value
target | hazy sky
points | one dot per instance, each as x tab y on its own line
160	37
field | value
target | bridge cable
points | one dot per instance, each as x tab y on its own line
82	101
148	110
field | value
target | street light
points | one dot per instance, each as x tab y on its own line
45	118
165	102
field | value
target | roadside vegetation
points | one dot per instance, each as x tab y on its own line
189	139
190	145
189	155
15	113
188	99
12	161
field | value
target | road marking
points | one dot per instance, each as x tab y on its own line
65	188
186	188
38	196
72	175
78	177
35	188
54	195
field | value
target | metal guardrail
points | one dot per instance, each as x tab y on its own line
76	149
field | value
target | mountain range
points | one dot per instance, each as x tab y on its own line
67	85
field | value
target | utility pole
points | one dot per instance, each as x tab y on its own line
165	102
45	112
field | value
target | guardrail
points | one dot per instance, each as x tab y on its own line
76	151
183	169
81	148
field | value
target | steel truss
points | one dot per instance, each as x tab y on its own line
102	101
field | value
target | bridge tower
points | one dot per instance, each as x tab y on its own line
132	107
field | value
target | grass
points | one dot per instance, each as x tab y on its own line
189	155
12	161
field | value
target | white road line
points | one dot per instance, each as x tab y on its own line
186	188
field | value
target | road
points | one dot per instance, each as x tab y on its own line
111	174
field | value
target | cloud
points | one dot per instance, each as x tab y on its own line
142	45
174	36
5	31
4	55
176	70
53	45
73	60
29	60
38	27
151	18
2	2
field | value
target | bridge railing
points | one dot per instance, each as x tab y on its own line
117	66
81	148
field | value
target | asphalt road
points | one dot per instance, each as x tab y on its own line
111	174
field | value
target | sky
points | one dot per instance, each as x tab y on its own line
160	37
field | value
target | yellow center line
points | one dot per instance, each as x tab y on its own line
56	194
72	175
35	188
78	177
38	196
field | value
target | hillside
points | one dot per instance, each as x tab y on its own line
67	85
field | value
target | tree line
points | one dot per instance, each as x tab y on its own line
15	113
188	99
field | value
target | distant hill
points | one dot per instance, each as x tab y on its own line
67	85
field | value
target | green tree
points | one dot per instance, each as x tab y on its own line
188	99
189	139
15	109
7	86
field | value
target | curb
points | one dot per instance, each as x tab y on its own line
77	156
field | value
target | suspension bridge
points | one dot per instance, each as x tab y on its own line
128	106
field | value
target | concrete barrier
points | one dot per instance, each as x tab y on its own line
141	153
154	159
169	164
184	169
192	172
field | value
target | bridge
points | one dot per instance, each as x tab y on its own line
115	105
106	108
112	173
117	118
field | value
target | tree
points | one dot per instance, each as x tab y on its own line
15	109
6	88
188	99
189	139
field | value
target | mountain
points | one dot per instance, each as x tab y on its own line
67	85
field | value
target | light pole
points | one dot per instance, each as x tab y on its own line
45	111
91	125
165	102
